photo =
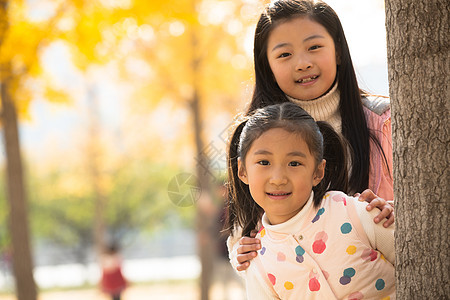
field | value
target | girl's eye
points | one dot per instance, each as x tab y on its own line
282	55
315	47
263	162
294	164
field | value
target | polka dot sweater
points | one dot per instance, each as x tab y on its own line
321	253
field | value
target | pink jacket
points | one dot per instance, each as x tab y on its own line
378	116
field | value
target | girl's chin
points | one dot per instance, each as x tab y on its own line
311	97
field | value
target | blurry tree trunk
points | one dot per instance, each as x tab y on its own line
205	229
205	240
18	216
418	59
94	161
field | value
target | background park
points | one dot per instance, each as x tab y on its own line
115	111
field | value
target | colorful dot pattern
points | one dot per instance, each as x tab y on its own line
348	274
351	250
340	198
313	284
319	213
299	251
272	278
288	285
346	228
317	248
319	244
369	254
380	284
262	251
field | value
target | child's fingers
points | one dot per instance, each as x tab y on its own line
389	221
249	241
367	195
253	233
248	248
244	260
377	202
243	267
386	213
247	251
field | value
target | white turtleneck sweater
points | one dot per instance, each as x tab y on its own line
324	108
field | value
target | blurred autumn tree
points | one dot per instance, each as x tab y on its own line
183	59
20	43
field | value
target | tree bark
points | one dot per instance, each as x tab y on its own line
418	64
205	212
18	216
205	240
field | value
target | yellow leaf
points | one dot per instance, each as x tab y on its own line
57	95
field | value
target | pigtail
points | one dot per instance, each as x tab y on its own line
242	209
336	174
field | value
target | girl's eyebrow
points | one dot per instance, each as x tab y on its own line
293	153
280	45
262	152
315	36
297	153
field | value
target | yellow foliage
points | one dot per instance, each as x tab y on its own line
20	47
166	51
57	95
202	58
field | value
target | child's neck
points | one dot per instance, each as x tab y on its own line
294	221
324	108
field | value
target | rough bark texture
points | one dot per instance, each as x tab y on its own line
418	61
18	214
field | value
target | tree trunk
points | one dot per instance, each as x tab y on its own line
204	216
18	218
205	212
418	64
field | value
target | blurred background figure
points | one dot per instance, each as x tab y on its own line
112	282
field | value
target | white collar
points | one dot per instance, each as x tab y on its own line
294	224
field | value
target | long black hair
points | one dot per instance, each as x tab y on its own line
267	91
323	143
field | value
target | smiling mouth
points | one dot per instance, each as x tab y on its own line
278	194
305	80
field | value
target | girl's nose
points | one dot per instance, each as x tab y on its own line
303	64
278	177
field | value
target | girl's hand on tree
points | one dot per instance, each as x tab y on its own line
386	207
247	250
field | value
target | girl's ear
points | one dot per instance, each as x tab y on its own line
242	173
320	173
